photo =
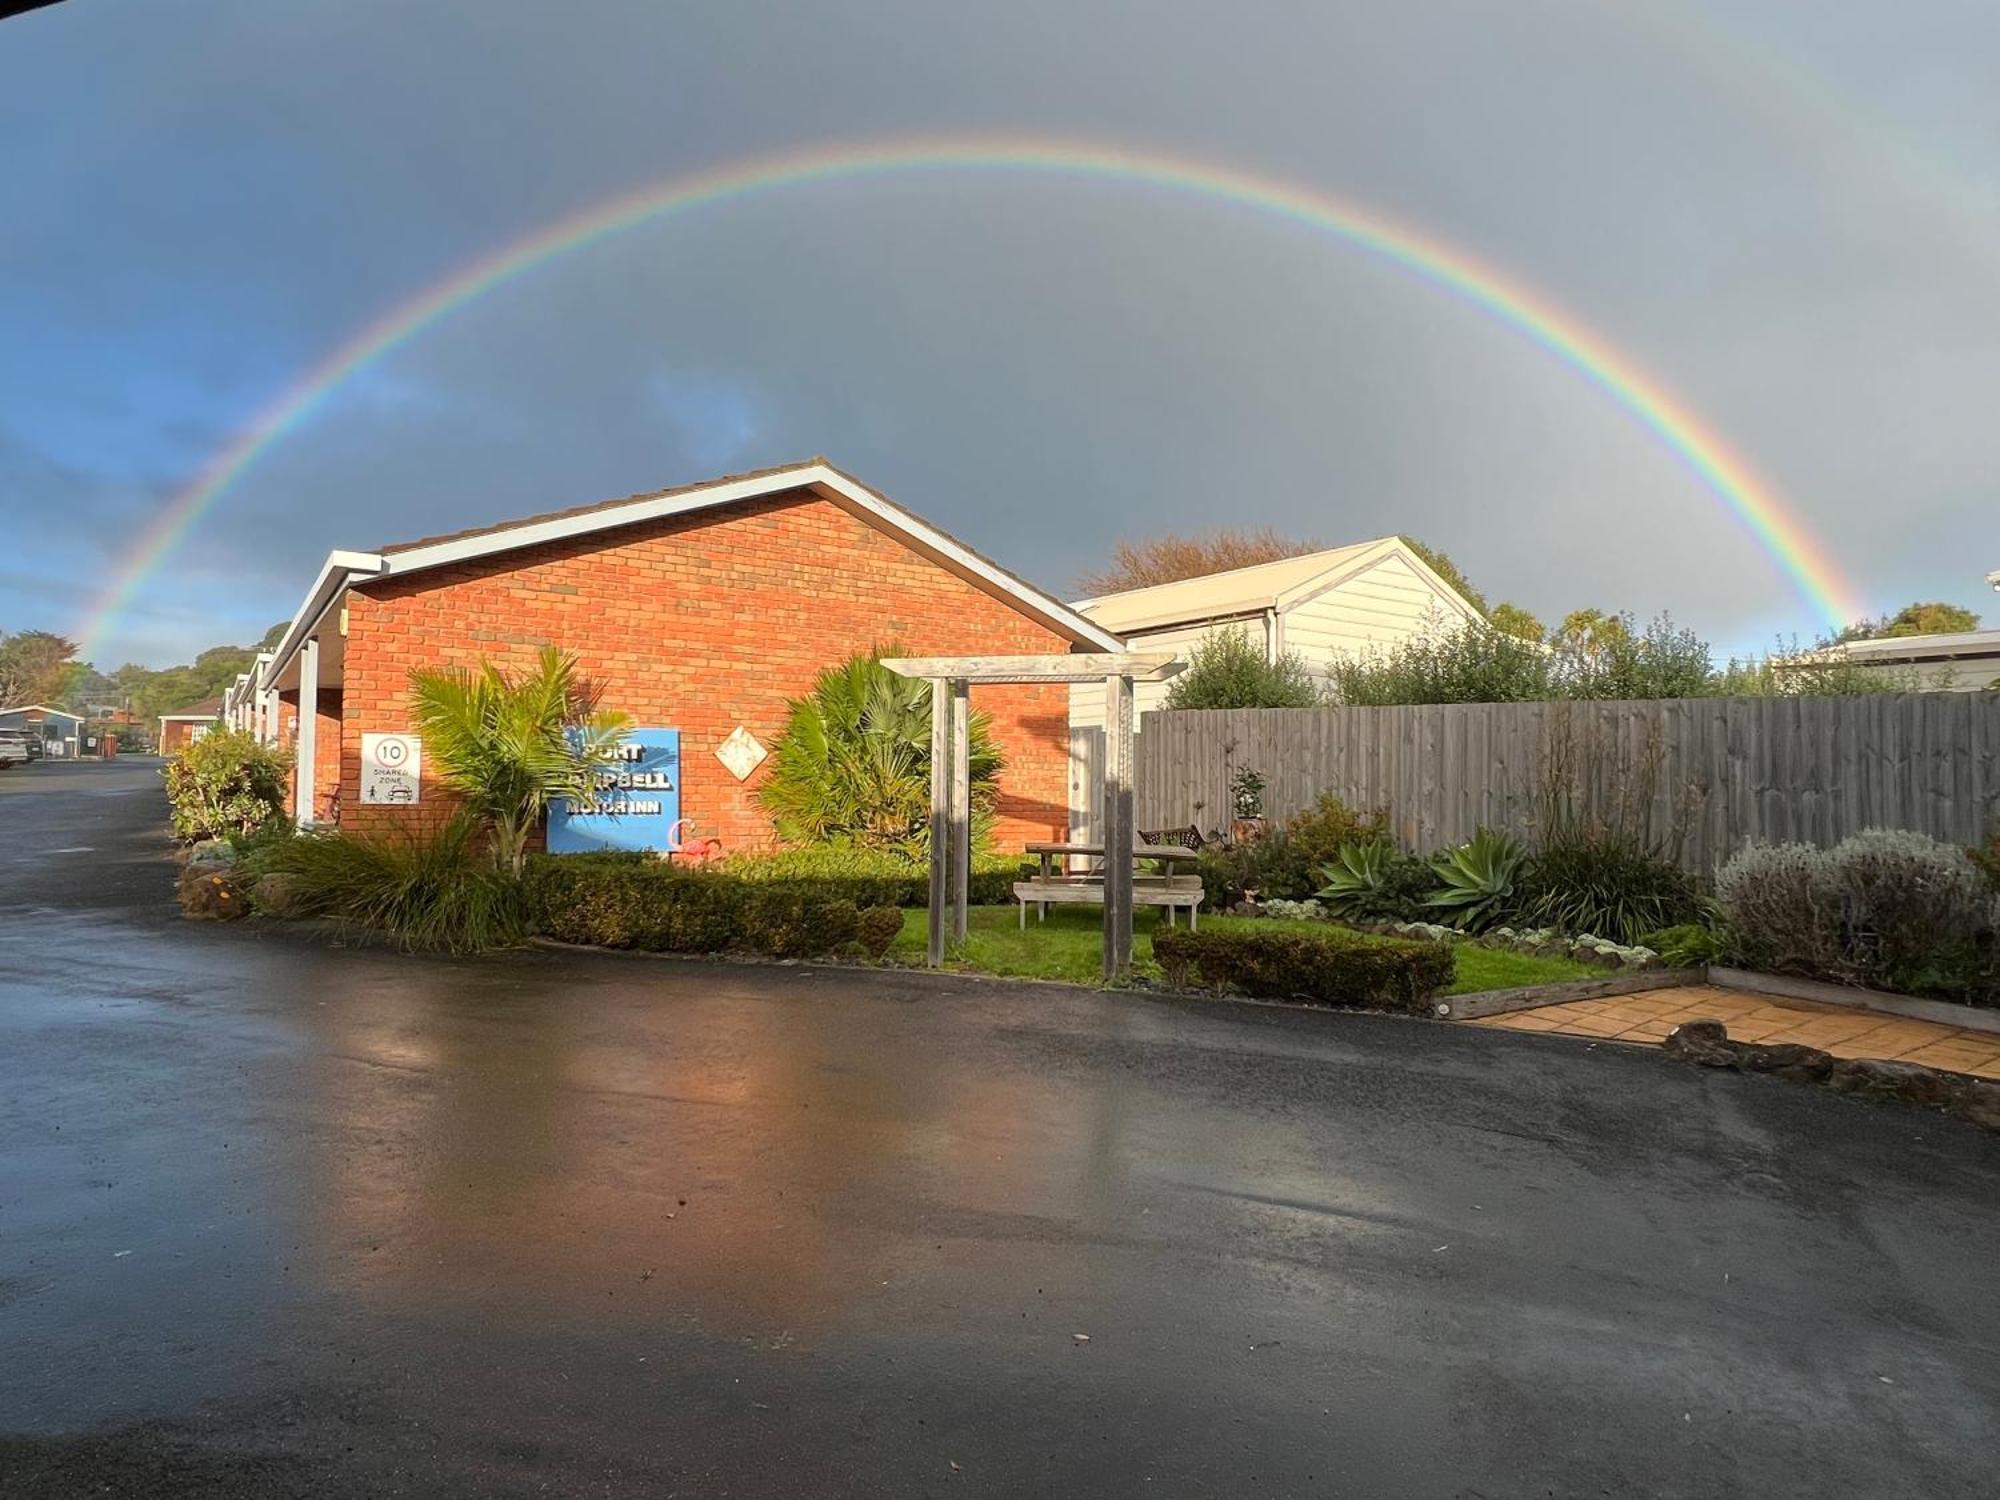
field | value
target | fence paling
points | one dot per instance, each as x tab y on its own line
1708	774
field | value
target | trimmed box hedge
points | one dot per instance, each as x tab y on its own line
631	901
1336	967
870	877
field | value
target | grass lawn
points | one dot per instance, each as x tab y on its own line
1069	946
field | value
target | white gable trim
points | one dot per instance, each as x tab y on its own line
1393	546
343	567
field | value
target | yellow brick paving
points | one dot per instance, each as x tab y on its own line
1649	1016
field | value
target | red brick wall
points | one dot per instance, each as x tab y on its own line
327	747
701	624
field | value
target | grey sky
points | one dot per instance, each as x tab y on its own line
1789	214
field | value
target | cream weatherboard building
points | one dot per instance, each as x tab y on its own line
1323	607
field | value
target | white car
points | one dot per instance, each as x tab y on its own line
13	748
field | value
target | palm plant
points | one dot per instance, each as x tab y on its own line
1478	878
853	764
511	745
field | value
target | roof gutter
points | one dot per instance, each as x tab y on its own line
341	569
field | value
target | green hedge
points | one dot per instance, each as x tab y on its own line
630	901
1334	967
870	877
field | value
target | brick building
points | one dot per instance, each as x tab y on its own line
702	609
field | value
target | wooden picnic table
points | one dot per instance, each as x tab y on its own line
1047	851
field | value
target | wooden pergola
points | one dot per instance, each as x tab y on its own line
951	679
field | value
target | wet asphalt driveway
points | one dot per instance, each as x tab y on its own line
279	1217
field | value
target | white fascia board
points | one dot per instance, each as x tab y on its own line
1456	601
1031	601
334	576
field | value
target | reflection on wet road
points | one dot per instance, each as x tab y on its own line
307	1218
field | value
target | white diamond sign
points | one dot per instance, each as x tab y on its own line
741	753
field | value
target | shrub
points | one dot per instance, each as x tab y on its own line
439	891
1334	967
875	877
1286	865
226	783
1887	908
1228	669
1478	879
853	765
880	927
1688	945
1606	886
621	901
1468	664
1373	882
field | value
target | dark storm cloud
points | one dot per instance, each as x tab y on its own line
1766	207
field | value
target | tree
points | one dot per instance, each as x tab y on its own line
511	745
1448	570
1230	670
1511	619
1170	558
272	636
34	667
853	766
1934	618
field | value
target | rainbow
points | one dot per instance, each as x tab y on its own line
1770	521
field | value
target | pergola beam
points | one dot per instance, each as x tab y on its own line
1081	666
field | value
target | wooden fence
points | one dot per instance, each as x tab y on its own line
1704	776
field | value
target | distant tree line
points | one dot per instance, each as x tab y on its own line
39	666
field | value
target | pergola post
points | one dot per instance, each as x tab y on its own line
942	781
961	804
951	678
1117	825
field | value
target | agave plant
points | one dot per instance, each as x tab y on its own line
511	745
1478	879
1354	882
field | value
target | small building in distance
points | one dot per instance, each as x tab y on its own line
178	731
59	732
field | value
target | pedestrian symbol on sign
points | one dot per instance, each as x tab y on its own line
391	766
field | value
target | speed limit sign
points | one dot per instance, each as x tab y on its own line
391	766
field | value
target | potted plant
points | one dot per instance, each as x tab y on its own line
1246	793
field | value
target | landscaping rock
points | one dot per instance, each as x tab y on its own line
277	895
1703	1042
211	894
1784	1060
215	852
1879	1078
1978	1102
1707	1044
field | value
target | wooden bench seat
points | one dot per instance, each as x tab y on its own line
1168	892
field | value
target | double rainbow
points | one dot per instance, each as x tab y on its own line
1770	521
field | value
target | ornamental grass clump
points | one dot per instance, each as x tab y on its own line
432	891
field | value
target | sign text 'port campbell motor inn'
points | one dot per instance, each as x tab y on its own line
699	613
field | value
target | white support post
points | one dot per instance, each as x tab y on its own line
1117	826
940	816
961	804
308	739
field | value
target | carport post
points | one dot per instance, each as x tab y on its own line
940	815
308	741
